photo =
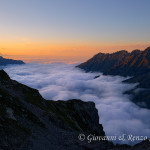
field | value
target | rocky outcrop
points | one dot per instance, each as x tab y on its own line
120	63
27	121
4	61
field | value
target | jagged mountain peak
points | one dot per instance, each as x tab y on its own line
147	49
119	63
136	51
120	52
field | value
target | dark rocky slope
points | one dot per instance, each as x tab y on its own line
4	61
27	121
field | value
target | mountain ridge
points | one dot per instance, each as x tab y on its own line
122	63
5	61
135	64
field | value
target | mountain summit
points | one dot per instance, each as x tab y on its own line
119	63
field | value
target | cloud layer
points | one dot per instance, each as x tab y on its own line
59	81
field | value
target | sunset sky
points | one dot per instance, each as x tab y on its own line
71	30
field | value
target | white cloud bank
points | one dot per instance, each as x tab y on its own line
58	81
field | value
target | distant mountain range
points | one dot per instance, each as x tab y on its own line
123	63
4	61
120	63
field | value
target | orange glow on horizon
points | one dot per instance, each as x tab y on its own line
59	51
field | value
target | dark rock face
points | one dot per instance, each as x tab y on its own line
141	97
82	117
27	121
4	61
120	63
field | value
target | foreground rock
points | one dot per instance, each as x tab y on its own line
27	121
4	61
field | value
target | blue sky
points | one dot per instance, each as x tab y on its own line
73	22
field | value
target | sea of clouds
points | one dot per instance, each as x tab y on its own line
58	81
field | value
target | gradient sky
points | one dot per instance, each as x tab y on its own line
72	29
